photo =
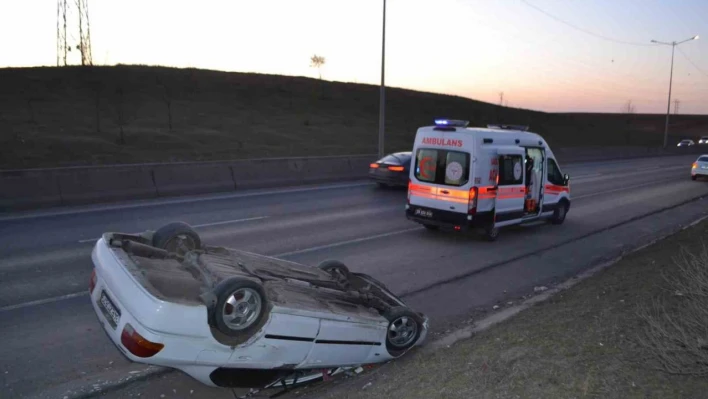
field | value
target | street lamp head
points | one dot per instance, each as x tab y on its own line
695	37
653	41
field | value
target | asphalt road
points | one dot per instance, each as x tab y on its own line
52	342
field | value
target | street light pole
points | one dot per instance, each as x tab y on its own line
671	79
382	97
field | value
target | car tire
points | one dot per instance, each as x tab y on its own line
491	233
404	329
241	307
335	268
431	227
178	237
381	185
694	177
560	213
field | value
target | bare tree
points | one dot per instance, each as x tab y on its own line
120	114
167	98
317	61
628	107
97	87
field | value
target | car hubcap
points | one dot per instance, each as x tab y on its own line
242	309
402	331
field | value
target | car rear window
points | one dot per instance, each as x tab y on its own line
703	159
394	159
450	168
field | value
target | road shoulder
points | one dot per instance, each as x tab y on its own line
582	341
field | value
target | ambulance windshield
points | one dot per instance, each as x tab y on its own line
450	168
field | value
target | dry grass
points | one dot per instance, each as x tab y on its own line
586	342
74	115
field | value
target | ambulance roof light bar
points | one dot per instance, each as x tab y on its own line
451	123
523	128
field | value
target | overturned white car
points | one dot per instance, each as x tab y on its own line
236	319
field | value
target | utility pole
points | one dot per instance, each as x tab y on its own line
501	98
676	106
671	78
382	96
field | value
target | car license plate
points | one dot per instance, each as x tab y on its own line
109	309
423	212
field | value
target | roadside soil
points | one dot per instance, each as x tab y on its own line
582	342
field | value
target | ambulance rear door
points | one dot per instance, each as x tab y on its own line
441	178
511	190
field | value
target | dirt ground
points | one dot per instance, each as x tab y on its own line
583	342
75	116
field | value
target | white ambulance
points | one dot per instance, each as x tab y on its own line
484	178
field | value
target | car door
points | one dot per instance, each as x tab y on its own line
556	184
511	191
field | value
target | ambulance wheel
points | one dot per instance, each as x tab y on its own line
335	268
177	237
491	233
560	213
694	177
404	329
241	306
431	227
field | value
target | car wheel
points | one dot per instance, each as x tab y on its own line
491	233
404	329
335	268
381	185
560	213
241	306
431	227
694	177
177	237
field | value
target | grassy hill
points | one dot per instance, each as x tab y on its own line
128	114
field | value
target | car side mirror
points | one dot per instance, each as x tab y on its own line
566	179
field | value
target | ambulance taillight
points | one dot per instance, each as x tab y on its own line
472	203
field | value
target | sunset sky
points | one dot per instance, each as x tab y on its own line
472	48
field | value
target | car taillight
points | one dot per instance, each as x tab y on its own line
472	203
374	166
695	165
396	168
137	345
92	282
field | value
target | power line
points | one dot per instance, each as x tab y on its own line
691	62
587	31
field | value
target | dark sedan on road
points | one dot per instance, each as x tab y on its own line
391	170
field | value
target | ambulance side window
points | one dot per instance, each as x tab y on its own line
511	170
555	176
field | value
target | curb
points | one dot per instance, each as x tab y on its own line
507	313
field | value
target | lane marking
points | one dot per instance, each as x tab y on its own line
199	225
620	189
339	244
177	201
43	301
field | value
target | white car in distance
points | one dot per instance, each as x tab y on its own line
700	167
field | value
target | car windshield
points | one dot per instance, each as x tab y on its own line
703	159
450	168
